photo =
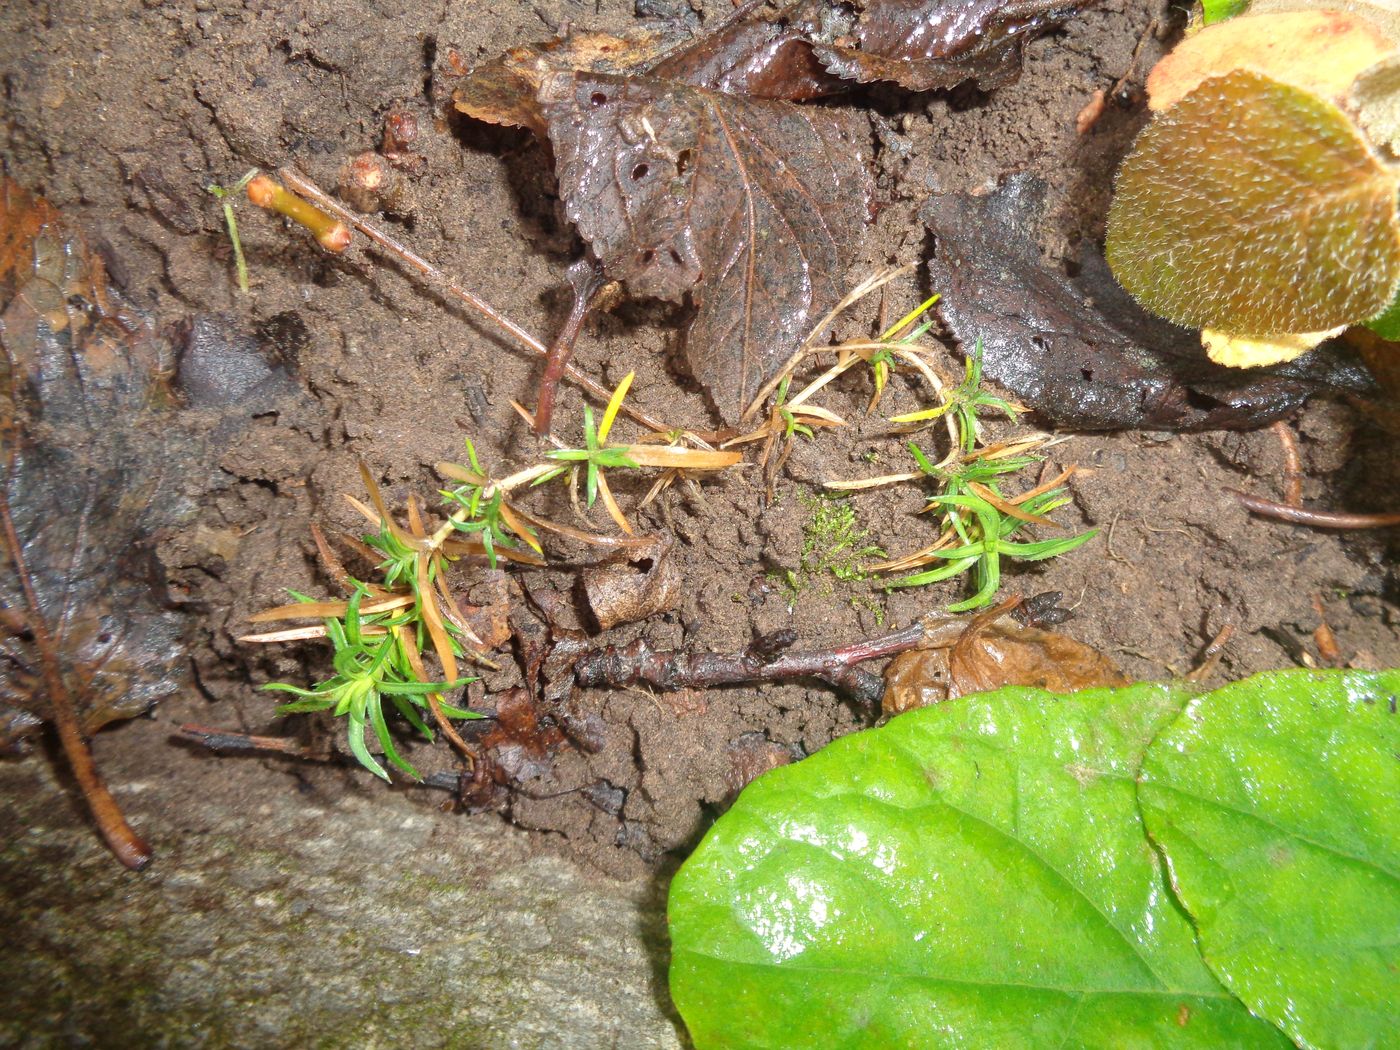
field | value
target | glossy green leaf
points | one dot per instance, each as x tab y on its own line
1252	206
973	874
1277	804
1213	11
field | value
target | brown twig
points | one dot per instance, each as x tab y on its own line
1292	464
620	666
1318	519
587	280
309	189
1210	656
128	846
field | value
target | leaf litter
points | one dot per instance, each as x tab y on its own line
85	638
106	429
1079	351
605	73
695	175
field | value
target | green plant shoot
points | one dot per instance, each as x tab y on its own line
371	665
964	402
226	196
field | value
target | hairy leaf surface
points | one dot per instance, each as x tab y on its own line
1255	207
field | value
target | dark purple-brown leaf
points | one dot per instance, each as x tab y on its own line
757	58
926	44
1080	352
753	207
80	458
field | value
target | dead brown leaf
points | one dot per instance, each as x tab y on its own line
752	207
687	175
503	90
1079	352
634	584
80	385
962	655
927	44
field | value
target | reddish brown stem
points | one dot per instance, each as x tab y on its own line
586	278
623	665
1318	519
129	847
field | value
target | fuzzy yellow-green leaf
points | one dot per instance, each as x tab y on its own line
1255	206
1255	351
1319	51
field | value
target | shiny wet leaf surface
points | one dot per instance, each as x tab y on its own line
1277	804
973	874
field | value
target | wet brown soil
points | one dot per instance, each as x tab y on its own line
121	112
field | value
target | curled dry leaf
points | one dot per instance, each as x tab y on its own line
503	90
81	454
1080	352
752	207
960	656
634	584
750	756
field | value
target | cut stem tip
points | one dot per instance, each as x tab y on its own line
330	233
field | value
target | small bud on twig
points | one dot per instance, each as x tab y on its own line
367	184
330	233
400	132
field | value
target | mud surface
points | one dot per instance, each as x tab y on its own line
122	112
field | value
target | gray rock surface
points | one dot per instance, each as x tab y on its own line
287	907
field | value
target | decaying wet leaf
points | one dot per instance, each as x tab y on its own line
758	58
1080	352
517	746
634	584
688	176
1255	207
81	394
926	44
1382	357
753	207
960	656
503	90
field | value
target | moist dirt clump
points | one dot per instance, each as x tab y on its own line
121	113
